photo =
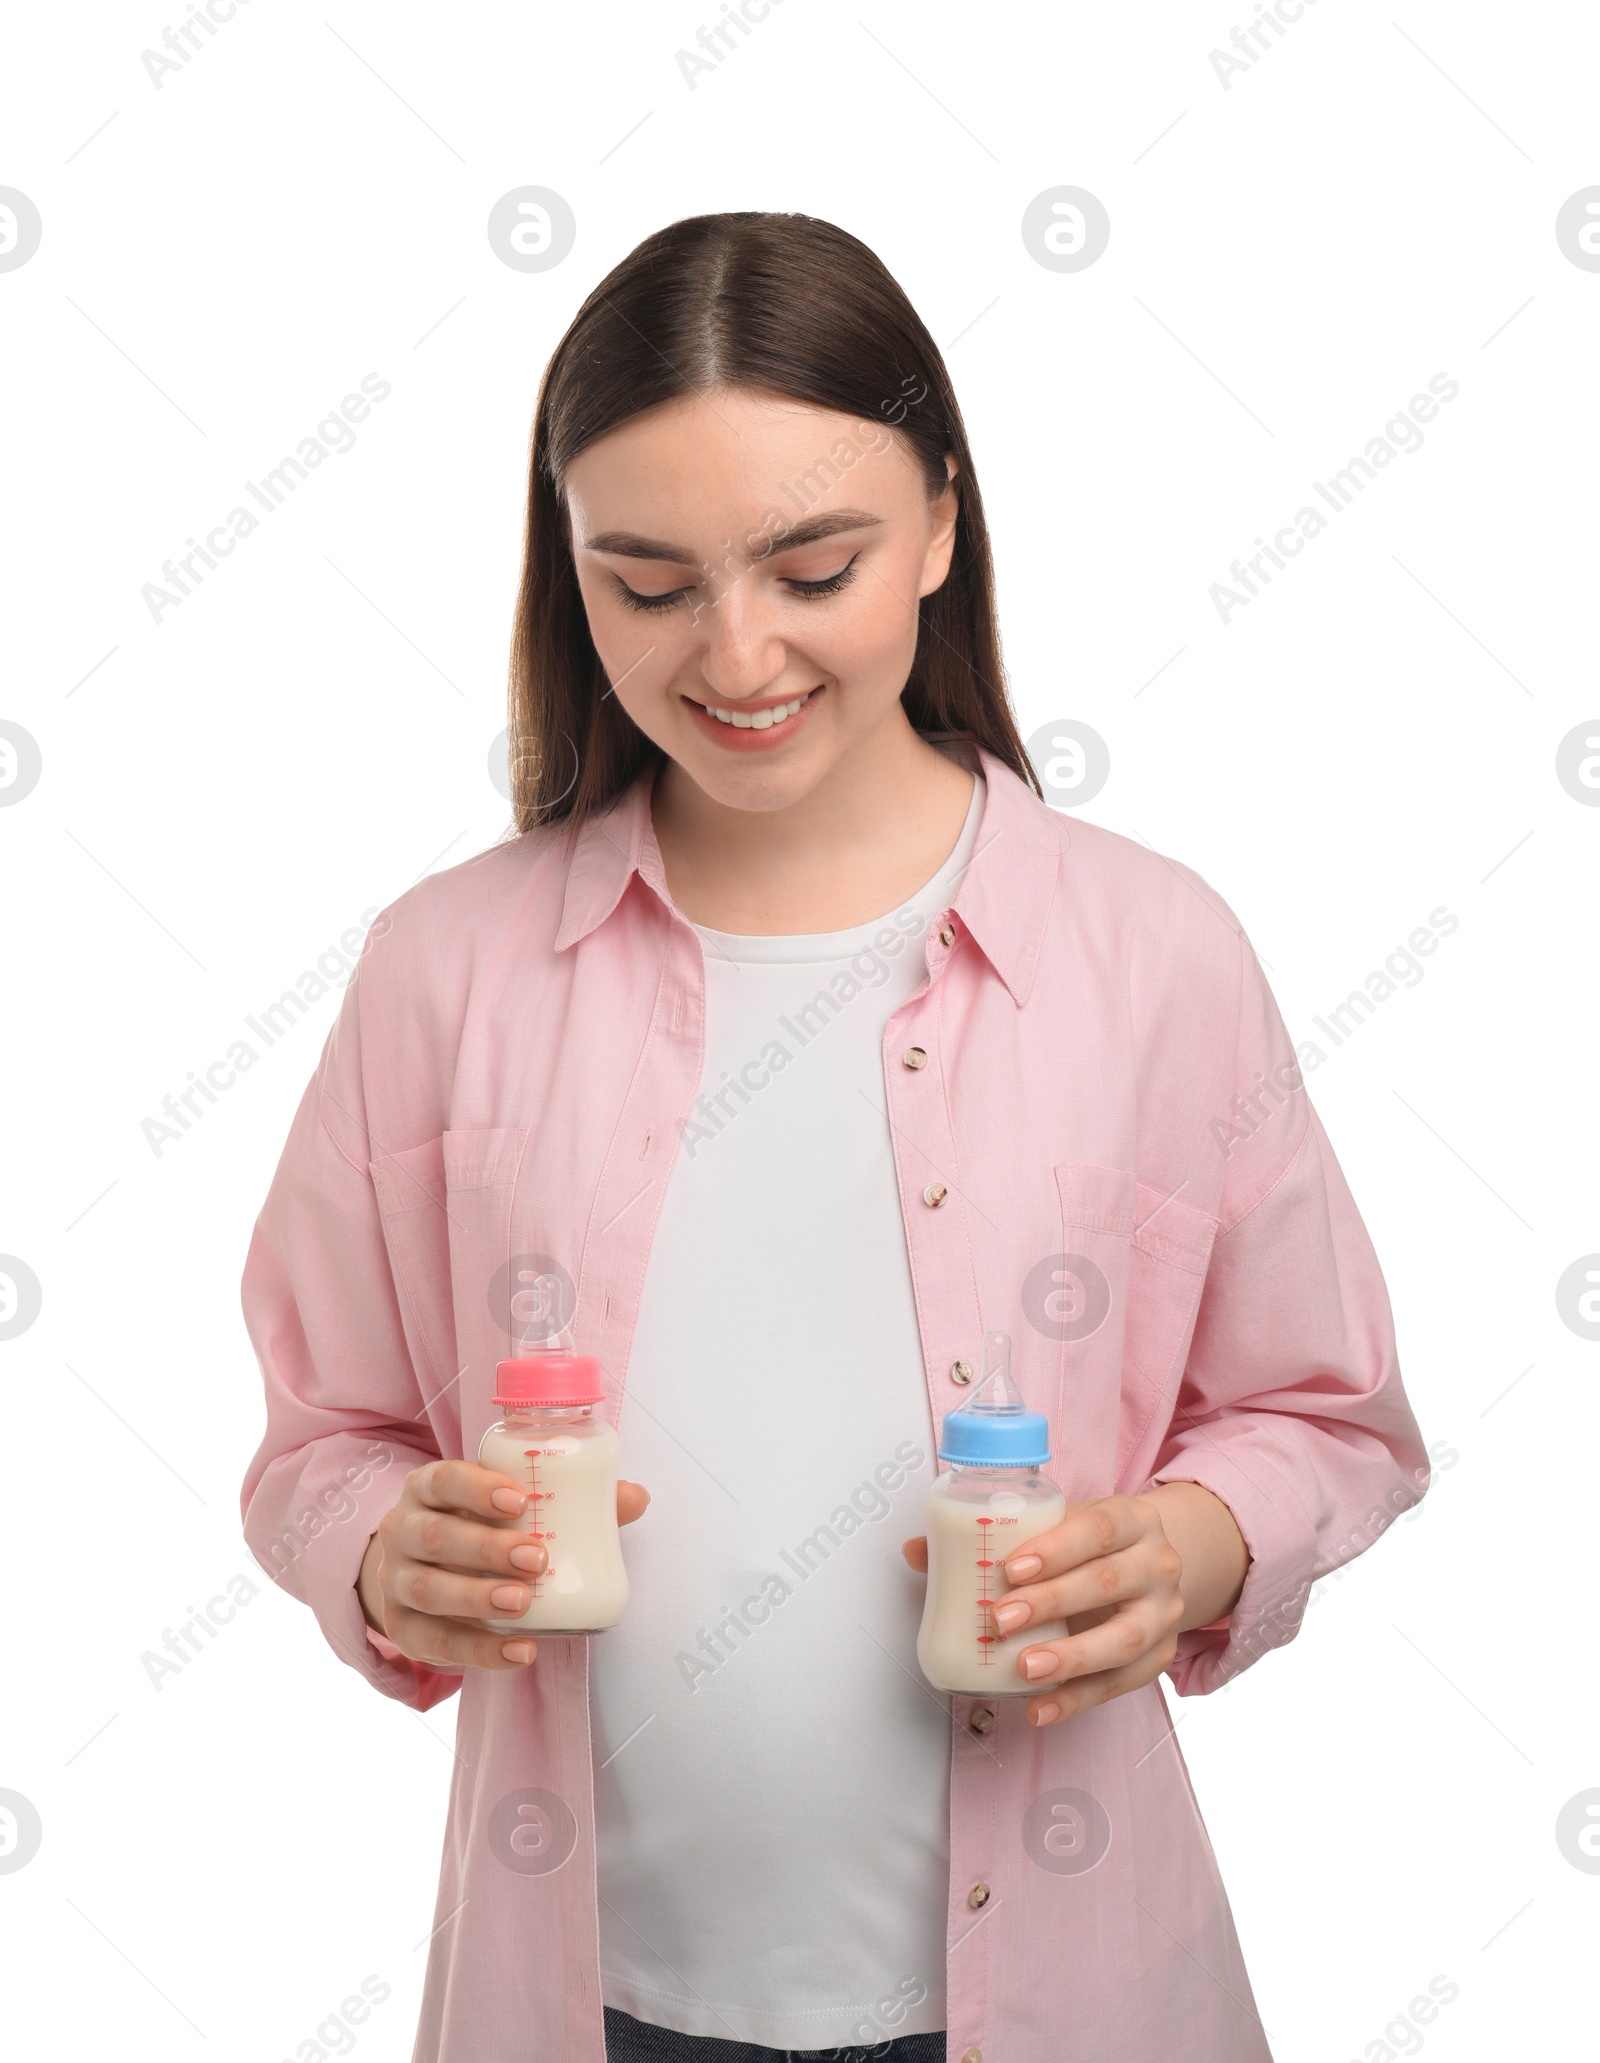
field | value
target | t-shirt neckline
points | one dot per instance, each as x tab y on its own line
805	946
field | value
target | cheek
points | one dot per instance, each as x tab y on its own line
645	647
871	641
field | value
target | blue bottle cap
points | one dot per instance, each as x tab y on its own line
995	1430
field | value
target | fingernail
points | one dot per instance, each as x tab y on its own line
508	1597
1012	1614
528	1557
1040	1664
507	1500
518	1651
1023	1567
1046	1713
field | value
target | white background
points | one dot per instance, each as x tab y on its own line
225	792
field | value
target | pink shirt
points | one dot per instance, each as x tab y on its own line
1108	1152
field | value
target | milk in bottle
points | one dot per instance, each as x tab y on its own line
552	1444
992	1498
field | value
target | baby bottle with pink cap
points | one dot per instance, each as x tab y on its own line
551	1441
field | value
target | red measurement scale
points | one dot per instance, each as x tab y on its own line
986	1633
537	1497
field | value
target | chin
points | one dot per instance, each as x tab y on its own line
752	785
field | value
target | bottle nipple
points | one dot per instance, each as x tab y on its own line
537	1308
997	1392
996	1429
544	1368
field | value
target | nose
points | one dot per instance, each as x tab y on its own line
743	653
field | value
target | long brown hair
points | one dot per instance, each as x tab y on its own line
779	302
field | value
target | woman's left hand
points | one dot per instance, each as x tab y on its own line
1128	1574
1110	1571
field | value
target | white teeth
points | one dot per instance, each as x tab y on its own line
761	719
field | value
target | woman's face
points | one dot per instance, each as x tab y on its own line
751	567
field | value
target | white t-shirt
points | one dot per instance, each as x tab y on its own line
772	1770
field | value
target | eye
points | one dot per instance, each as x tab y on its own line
634	600
813	590
808	590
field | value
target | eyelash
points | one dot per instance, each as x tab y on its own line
808	590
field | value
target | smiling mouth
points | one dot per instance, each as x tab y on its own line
763	719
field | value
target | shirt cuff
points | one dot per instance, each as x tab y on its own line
381	1641
1282	1547
321	1567
333	1596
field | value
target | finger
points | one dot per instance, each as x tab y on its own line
448	1541
916	1552
1146	1566
1086	1533
454	1644
1123	1641
1084	1691
632	1499
444	1594
486	1493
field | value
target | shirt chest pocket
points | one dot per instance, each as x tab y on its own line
446	1211
1127	1290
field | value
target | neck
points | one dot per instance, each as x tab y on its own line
879	823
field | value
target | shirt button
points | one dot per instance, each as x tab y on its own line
934	1194
978	1895
947	934
981	1719
972	2056
961	1371
915	1057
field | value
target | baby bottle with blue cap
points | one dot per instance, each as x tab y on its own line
992	1496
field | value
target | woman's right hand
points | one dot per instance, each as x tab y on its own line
440	1564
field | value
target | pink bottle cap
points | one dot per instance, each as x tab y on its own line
543	1379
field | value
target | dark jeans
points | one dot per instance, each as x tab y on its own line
636	2041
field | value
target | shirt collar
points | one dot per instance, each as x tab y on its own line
1003	898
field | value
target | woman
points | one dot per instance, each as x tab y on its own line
799	1043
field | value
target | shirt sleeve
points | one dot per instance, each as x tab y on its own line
1291	1409
345	1419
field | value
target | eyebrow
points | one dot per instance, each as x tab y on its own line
628	544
